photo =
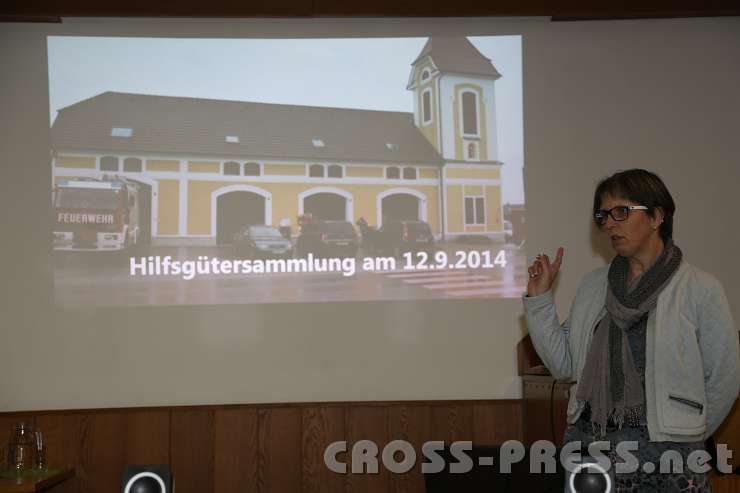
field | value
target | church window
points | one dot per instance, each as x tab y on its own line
470	113
426	106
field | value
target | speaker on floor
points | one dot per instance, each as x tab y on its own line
151	478
588	476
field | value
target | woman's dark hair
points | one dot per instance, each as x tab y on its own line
643	187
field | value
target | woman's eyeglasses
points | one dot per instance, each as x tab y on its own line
618	213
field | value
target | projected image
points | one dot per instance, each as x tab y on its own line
230	171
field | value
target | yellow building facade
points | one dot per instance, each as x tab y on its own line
184	193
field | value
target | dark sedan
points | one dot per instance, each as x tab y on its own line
261	241
397	237
328	239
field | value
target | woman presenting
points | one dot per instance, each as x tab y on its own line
649	342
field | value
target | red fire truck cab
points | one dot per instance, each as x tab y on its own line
93	214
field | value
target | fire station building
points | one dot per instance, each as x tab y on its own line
207	167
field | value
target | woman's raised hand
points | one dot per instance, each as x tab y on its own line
542	273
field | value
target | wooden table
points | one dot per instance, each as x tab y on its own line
33	484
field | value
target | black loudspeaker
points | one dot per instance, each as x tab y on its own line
588	476
152	478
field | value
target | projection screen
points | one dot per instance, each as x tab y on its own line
129	145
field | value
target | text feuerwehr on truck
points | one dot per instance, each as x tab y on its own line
96	214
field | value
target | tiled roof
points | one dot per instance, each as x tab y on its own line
192	126
457	55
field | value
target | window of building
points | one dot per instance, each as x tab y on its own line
335	171
470	113
232	168
475	210
232	139
121	132
409	173
425	74
316	171
108	163
391	146
252	169
318	143
426	106
392	173
132	165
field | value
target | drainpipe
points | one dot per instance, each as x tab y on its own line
442	208
443	212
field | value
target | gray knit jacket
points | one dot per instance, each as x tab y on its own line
692	358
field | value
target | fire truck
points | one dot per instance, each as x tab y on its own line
96	214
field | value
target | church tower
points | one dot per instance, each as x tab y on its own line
453	86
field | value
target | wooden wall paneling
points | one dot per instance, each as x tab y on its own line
275	448
67	443
147	437
50	11
248	448
496	422
368	422
192	450
105	451
414	425
725	483
321	426
100	444
279	449
452	422
236	449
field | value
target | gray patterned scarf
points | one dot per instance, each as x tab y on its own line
609	381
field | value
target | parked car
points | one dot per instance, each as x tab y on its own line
397	237
261	241
327	239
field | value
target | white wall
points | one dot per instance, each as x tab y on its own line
599	96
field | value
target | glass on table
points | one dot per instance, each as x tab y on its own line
40	450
